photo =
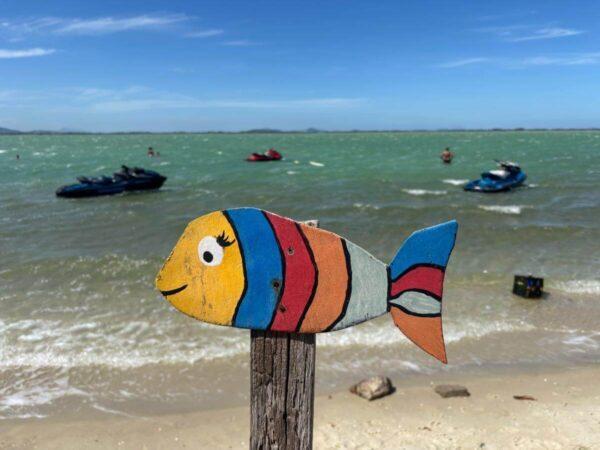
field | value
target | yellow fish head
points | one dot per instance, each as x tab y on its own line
203	276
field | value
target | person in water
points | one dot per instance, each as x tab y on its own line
447	155
150	152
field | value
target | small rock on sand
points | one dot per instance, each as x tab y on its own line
452	390
373	388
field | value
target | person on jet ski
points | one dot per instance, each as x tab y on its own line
150	152
272	153
447	155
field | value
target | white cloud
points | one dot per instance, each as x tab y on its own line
568	60
26	53
463	62
105	25
139	98
547	33
573	59
204	33
182	102
523	33
100	25
240	43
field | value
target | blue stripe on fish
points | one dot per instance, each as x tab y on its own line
263	267
431	246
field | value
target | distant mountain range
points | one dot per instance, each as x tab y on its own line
8	131
66	131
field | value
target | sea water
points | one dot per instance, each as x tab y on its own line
83	331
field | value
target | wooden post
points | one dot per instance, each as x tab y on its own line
282	390
282	382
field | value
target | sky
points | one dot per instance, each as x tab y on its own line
338	65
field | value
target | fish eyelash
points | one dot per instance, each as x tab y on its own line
223	240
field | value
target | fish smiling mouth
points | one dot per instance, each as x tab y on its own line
173	291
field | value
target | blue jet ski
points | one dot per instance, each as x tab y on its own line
507	176
126	179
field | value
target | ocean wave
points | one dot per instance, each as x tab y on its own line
504	209
58	345
316	164
583	343
366	206
378	335
17	399
455	182
424	192
579	286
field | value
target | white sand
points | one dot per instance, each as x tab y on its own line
565	415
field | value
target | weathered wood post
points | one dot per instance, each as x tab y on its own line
282	381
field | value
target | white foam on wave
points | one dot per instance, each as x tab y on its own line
54	344
366	206
378	335
582	343
503	209
455	182
291	172
17	399
2	151
579	286
424	192
316	164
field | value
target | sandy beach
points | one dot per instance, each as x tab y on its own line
565	414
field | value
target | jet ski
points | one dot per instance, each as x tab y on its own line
507	176
126	179
269	155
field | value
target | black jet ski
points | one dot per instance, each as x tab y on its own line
507	176
126	179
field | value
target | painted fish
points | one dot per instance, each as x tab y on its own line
249	268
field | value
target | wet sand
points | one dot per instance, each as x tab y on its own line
565	414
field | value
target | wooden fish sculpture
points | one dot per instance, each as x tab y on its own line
249	268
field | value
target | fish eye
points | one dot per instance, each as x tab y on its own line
210	252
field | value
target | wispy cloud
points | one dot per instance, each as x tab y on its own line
463	62
204	33
240	43
547	33
184	102
26	53
139	98
580	59
523	33
573	59
181	23
105	25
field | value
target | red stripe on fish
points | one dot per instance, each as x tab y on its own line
300	274
426	279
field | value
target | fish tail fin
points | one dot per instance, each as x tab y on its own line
415	286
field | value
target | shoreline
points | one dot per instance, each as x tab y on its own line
564	414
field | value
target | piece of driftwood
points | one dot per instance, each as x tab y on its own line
525	397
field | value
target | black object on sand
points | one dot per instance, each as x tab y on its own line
528	286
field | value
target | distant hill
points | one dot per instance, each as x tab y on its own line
8	131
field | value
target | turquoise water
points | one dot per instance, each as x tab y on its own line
82	329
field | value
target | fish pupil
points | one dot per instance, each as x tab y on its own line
207	256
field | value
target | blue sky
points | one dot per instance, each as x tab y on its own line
231	65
